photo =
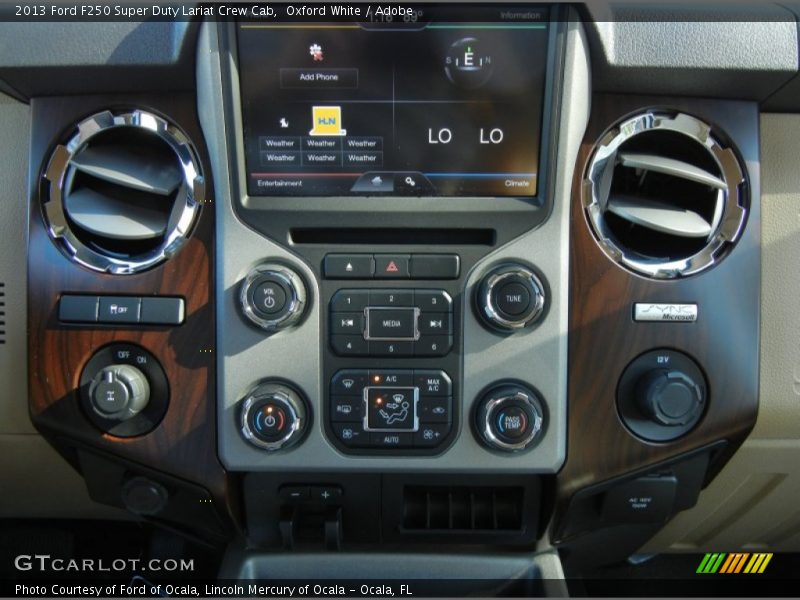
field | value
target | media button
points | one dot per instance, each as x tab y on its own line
391	323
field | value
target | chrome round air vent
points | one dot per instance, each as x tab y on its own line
123	194
664	197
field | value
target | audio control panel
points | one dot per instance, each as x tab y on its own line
391	322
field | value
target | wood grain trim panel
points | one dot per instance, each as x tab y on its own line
603	338
184	444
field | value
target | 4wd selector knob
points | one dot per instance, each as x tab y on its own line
273	297
510	297
273	416
510	417
119	392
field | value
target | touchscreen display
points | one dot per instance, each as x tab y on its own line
436	108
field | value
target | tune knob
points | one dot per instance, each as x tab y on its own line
273	297
119	392
510	298
670	398
510	418
273	416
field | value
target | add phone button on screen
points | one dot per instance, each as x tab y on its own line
316	78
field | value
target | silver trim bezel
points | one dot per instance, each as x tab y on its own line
728	224
58	170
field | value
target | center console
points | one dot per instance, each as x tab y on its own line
391	264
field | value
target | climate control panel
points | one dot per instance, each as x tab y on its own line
397	410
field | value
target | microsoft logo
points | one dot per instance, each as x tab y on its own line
735	562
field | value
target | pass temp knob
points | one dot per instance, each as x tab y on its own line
119	392
510	417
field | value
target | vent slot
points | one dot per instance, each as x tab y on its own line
462	509
2	313
123	192
663	196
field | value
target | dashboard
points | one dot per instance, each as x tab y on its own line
486	280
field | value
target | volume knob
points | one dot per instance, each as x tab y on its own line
273	297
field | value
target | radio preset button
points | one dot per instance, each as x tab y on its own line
433	301
433	345
391	297
350	301
349	345
391	348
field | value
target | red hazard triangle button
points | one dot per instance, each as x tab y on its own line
391	265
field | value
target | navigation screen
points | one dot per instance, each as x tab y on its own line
438	108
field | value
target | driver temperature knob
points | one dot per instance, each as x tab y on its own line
119	392
273	416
